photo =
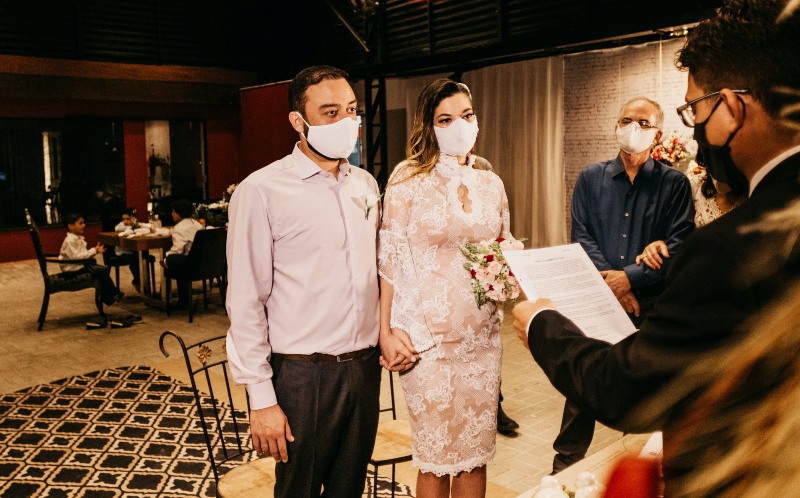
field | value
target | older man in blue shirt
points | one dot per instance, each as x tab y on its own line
618	207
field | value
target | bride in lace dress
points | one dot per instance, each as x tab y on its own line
447	348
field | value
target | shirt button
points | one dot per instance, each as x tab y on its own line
624	236
626	215
622	257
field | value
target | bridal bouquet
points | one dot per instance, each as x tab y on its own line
671	149
492	279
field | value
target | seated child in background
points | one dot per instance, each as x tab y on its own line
182	237
75	247
128	256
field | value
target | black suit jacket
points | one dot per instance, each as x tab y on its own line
720	279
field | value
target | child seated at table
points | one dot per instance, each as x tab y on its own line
182	237
129	257
75	247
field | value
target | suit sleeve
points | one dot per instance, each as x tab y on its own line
697	313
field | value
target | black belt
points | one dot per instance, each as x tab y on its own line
317	357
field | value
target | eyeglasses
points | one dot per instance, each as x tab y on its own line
643	123
686	111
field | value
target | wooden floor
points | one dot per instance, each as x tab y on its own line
64	347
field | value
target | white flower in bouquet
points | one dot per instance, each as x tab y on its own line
492	279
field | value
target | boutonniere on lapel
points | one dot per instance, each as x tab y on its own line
370	201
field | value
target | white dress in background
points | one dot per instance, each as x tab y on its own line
706	209
452	391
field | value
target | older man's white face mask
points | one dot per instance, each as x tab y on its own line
633	139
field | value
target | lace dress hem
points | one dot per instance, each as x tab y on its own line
456	468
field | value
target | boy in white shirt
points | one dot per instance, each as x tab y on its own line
75	247
130	257
182	237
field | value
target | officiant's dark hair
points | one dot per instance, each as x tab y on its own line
422	150
748	45
311	76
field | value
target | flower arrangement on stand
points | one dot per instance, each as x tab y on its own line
492	279
672	149
215	214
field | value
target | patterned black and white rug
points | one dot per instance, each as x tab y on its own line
124	432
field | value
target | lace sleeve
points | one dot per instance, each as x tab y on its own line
396	266
505	230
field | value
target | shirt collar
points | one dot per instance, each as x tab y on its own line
646	171
448	165
307	168
760	174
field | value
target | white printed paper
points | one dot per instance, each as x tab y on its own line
566	276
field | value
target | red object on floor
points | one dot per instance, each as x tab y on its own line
634	478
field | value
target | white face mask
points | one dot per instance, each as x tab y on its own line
335	140
633	139
458	138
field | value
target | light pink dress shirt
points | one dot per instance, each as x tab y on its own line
302	267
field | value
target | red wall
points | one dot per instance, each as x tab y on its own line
222	147
266	133
16	245
137	171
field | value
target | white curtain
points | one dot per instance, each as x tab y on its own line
520	115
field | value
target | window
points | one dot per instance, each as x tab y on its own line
55	166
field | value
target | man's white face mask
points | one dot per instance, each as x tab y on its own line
633	139
335	140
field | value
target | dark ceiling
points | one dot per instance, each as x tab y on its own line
277	38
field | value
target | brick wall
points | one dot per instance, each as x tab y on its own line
596	84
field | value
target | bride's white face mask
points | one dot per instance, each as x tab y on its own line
458	138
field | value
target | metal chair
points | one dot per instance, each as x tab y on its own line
62	281
238	472
205	261
392	443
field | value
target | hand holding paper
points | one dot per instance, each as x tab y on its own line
566	275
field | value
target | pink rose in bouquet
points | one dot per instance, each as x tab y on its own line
492	279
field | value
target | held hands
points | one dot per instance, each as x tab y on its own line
617	281
651	256
397	351
524	311
270	430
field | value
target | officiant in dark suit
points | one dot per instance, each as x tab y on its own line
742	64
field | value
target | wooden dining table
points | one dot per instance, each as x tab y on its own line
150	294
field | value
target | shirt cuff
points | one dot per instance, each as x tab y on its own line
528	326
635	274
262	395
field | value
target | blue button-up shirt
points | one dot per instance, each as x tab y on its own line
614	218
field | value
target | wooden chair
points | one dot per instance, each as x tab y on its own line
238	472
392	443
61	281
206	261
111	260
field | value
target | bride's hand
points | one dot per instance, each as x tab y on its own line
397	351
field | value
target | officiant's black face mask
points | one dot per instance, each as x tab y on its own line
717	158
